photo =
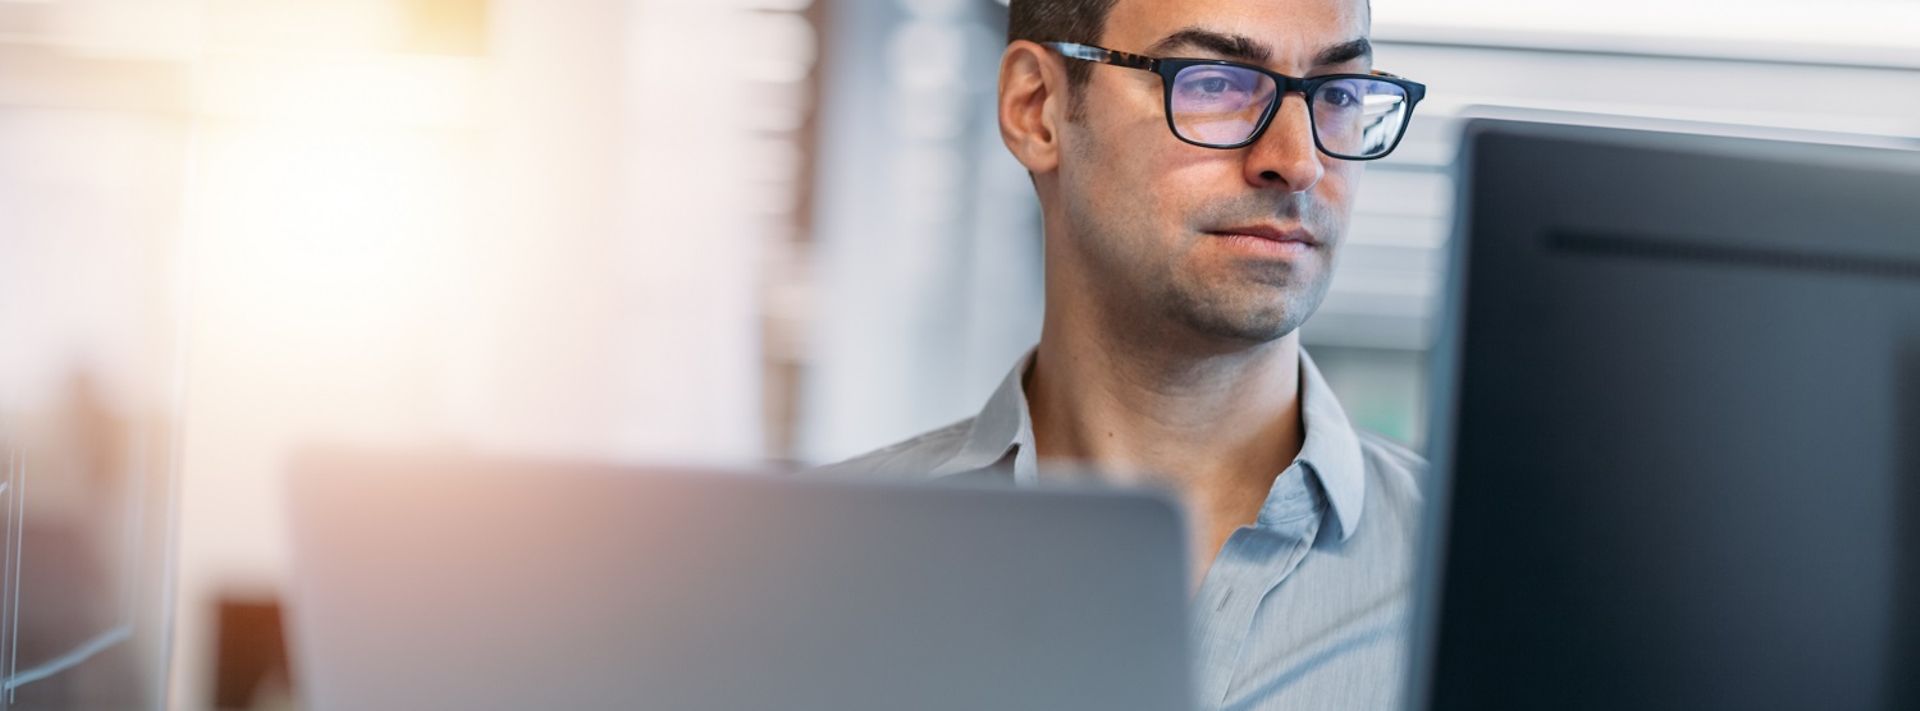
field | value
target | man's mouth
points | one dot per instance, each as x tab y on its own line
1268	239
1269	233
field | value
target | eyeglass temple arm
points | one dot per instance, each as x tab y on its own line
1415	90
1089	53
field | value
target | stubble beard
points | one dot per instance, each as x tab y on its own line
1249	319
1147	296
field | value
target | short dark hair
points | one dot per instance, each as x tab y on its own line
1080	21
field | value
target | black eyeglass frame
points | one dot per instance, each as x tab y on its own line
1169	68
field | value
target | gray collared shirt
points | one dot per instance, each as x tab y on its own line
1304	609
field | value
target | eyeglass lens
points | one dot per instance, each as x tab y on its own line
1221	105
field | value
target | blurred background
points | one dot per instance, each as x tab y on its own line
707	231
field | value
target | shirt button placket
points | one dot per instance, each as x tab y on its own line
1262	557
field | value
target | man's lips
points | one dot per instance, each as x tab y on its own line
1268	233
1267	241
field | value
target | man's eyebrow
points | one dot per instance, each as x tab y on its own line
1232	46
1345	52
1250	50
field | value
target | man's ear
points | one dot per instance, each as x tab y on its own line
1032	105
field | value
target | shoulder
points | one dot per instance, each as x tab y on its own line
1396	471
1397	483
1383	453
912	458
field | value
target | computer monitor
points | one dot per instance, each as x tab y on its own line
1677	427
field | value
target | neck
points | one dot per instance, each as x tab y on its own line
1215	428
1220	420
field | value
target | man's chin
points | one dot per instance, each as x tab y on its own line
1244	328
1254	315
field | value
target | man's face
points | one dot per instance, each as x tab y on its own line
1235	245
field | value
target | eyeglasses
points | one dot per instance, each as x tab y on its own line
1220	104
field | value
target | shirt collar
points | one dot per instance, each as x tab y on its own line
1331	449
1003	427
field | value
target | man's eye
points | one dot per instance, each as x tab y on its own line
1208	85
1339	96
1213	85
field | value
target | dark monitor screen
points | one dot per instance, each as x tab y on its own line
1677	437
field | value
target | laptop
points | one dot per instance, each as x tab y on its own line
463	582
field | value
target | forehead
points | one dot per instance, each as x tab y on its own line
1295	29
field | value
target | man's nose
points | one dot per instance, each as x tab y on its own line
1285	156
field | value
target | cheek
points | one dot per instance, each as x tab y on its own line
1131	161
1184	181
1126	176
1340	185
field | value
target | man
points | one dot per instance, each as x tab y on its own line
1191	223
